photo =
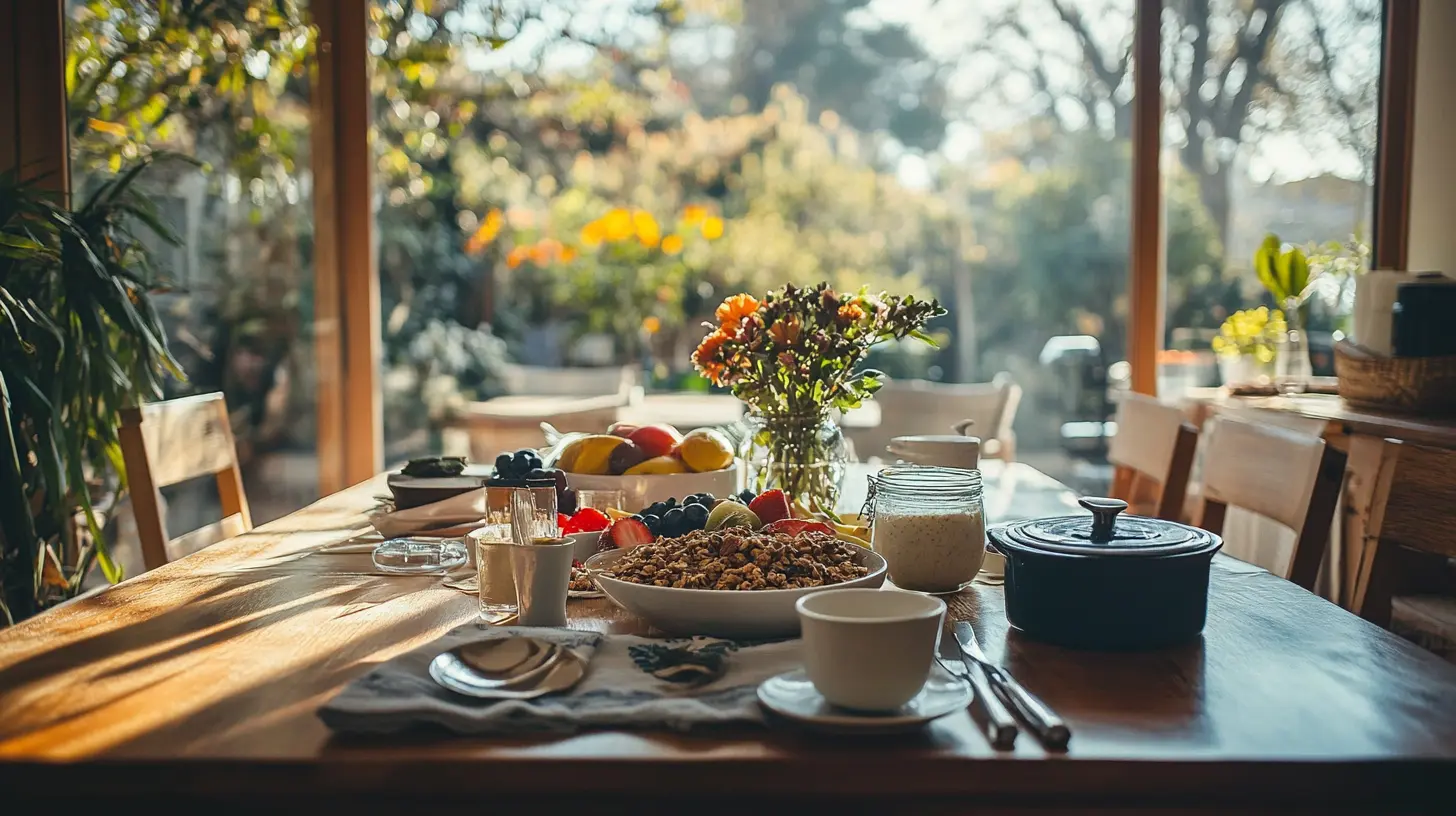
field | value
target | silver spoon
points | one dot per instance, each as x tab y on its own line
561	674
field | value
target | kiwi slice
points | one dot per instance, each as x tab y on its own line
732	514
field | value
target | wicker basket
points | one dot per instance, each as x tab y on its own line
1418	385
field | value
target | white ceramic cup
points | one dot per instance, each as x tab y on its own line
542	572
869	649
941	450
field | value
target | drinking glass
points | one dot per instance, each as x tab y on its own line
602	500
497	584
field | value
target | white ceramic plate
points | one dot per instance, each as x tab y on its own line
642	490
793	697
761	613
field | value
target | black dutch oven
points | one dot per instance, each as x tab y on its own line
1106	581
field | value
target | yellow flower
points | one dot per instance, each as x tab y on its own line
593	234
693	213
713	228
646	226
567	254
672	245
651	325
618	225
850	313
733	309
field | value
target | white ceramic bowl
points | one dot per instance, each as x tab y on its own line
759	613
642	490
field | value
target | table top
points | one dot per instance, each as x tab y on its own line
1436	431
198	682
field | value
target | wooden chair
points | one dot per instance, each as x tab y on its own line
907	407
164	443
1292	478
1154	448
1411	529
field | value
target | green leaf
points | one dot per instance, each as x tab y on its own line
924	338
1266	260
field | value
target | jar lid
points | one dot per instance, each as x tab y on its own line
1104	533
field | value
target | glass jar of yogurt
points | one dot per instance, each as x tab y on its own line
929	526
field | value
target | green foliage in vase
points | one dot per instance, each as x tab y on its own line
1285	273
79	340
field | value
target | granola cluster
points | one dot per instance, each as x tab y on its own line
740	559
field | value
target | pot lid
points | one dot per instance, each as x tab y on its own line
1105	533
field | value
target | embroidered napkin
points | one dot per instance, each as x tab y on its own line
623	687
449	518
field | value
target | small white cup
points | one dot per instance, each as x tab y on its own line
869	649
542	571
940	450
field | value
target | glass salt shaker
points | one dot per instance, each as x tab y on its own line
929	526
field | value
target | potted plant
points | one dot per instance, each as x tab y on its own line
79	340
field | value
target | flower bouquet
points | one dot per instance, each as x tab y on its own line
794	359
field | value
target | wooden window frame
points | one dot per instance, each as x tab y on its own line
347	321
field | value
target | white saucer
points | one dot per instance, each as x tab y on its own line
792	696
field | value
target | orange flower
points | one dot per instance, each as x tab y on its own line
567	254
851	313
646	226
734	309
593	234
545	251
651	325
518	256
713	228
785	332
489	228
693	213
618	225
706	356
672	245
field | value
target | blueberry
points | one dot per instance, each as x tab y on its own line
521	461
675	520
708	499
653	522
538	475
503	464
671	502
566	500
656	509
696	515
535	462
747	496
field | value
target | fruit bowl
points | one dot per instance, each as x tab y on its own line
640	490
723	613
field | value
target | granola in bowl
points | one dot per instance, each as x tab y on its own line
740	559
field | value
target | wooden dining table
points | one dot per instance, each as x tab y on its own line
197	685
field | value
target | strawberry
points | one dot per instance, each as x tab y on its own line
797	527
771	506
590	520
627	533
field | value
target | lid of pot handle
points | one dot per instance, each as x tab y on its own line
1107	532
1104	516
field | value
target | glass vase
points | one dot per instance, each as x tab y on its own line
801	454
1292	368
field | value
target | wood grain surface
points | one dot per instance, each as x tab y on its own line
196	685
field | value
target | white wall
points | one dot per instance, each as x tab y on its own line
1433	159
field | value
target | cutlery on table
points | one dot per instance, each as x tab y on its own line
1001	727
1044	722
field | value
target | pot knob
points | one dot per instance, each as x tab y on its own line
1104	516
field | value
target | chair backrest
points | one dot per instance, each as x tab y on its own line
164	443
1412	508
1154	443
1291	478
922	407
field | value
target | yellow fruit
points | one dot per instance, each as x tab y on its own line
589	454
705	449
657	464
855	540
614	514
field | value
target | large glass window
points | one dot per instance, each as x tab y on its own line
1270	129
568	184
226	85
